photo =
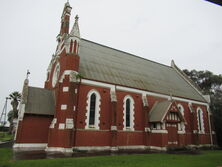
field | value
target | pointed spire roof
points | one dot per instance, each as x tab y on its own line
67	8
75	29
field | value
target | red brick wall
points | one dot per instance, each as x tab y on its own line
34	129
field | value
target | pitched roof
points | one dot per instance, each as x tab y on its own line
159	110
40	101
102	63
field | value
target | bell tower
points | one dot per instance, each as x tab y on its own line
62	78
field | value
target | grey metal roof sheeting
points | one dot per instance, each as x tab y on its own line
40	101
101	63
159	110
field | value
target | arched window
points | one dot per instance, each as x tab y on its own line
200	120
128	113
92	110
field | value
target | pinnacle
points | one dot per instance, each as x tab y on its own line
75	29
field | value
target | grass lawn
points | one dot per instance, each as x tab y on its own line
206	159
4	136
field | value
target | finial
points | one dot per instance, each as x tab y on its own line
76	18
27	74
172	63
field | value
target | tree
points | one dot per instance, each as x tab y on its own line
210	84
15	98
10	120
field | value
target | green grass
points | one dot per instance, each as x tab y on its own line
4	136
206	159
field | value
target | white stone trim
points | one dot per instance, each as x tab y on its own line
181	127
195	131
181	132
97	109
114	149
93	129
199	146
113	96
133	147
130	131
61	126
92	148
72	76
60	48
63	107
158	148
113	128
182	108
55	75
21	111
59	149
190	107
29	146
52	125
100	84
133	90
132	113
65	89
69	123
159	131
145	101
146	129
202	131
158	95
209	122
172	142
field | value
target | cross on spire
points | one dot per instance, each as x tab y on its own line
27	74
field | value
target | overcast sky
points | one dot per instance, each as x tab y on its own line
188	31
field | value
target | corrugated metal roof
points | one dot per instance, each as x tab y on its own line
159	110
98	62
40	101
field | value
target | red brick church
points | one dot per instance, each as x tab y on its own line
99	98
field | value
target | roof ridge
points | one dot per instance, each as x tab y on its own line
130	54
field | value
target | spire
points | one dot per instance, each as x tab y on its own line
75	29
67	9
65	19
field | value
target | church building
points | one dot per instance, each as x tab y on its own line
98	98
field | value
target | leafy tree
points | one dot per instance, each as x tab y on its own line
16	97
210	84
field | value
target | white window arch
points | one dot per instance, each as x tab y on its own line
93	110
200	120
181	109
128	113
